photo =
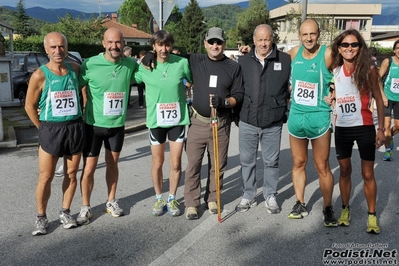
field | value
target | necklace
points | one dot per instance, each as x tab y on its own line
118	66
165	71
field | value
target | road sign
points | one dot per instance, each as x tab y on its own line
161	10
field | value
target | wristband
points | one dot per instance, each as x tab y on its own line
382	129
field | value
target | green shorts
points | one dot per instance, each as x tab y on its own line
309	125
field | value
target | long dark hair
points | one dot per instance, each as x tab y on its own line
362	61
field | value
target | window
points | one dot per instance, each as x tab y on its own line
346	24
32	63
283	26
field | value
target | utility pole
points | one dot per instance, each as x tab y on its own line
160	24
304	9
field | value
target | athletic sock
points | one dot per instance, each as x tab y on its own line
158	196
171	197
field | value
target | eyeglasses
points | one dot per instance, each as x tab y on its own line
213	41
346	44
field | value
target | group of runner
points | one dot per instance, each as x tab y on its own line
54	89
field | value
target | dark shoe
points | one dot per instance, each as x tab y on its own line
329	219
298	211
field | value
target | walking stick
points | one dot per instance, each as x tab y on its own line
216	156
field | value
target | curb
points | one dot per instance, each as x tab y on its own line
12	139
135	128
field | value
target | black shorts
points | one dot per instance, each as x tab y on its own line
95	136
62	138
158	135
364	137
392	106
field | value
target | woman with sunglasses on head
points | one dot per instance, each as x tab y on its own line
356	82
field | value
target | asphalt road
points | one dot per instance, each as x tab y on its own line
252	238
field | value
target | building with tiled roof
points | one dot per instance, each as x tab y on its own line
132	35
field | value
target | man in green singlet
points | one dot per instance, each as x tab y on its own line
309	118
54	89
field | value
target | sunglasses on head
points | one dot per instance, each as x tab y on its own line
212	41
346	44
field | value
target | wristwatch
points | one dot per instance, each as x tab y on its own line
226	102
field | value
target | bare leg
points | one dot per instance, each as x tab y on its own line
321	154
299	151
87	179
388	133
70	179
158	157
112	172
370	186
47	164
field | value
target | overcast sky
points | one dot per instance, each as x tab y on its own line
89	6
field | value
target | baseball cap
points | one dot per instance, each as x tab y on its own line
215	33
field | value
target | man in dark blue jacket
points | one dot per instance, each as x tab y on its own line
266	73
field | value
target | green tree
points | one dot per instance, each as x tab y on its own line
232	38
77	30
192	28
173	23
255	14
135	12
222	16
8	16
21	21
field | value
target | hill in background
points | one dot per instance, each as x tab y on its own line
390	14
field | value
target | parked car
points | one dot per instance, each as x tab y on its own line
74	57
25	63
22	67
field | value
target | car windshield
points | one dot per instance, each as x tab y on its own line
18	63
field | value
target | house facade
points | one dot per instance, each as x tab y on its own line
385	35
333	18
131	35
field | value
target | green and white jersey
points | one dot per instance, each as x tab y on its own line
108	86
59	100
165	93
310	79
391	84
